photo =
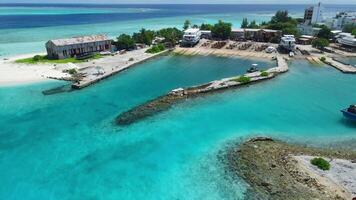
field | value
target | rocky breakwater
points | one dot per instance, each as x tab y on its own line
272	171
164	102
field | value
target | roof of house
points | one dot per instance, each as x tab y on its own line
79	40
191	31
254	30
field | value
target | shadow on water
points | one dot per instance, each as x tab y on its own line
348	122
57	90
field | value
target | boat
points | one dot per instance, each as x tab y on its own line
253	68
350	112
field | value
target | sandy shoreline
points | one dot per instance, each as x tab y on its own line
12	73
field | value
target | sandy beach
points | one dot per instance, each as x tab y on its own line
12	73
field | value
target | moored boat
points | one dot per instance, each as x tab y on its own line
350	112
253	68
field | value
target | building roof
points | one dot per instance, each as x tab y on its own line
254	30
79	40
190	31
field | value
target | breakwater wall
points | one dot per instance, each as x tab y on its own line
164	102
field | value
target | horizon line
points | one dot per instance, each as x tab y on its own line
90	3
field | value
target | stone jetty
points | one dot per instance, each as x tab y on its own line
175	96
108	66
345	68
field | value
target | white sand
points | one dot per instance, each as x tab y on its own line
12	73
341	177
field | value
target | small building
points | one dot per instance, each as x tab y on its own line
77	46
348	42
288	42
206	34
258	35
191	37
305	39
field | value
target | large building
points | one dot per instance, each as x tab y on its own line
314	14
191	37
77	46
342	19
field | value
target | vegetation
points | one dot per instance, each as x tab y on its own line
244	23
171	35
323	59
206	27
264	74
221	30
320	163
72	71
280	21
131	59
325	33
156	49
350	28
186	25
242	79
144	36
44	59
320	43
125	41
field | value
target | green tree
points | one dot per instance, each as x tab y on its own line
320	43
144	36
354	32
186	25
253	24
281	16
348	28
325	33
170	35
221	30
244	23
206	27
125	41
195	26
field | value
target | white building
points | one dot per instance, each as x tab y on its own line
191	37
314	14
288	42
349	41
341	19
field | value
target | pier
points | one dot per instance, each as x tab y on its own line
108	66
348	69
164	102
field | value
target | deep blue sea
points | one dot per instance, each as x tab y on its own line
67	146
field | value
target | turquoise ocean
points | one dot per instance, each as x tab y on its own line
67	146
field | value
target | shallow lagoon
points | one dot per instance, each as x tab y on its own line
66	146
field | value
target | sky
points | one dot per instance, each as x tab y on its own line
185	1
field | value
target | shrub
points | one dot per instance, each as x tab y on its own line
72	71
322	59
243	79
264	73
156	49
37	58
320	163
